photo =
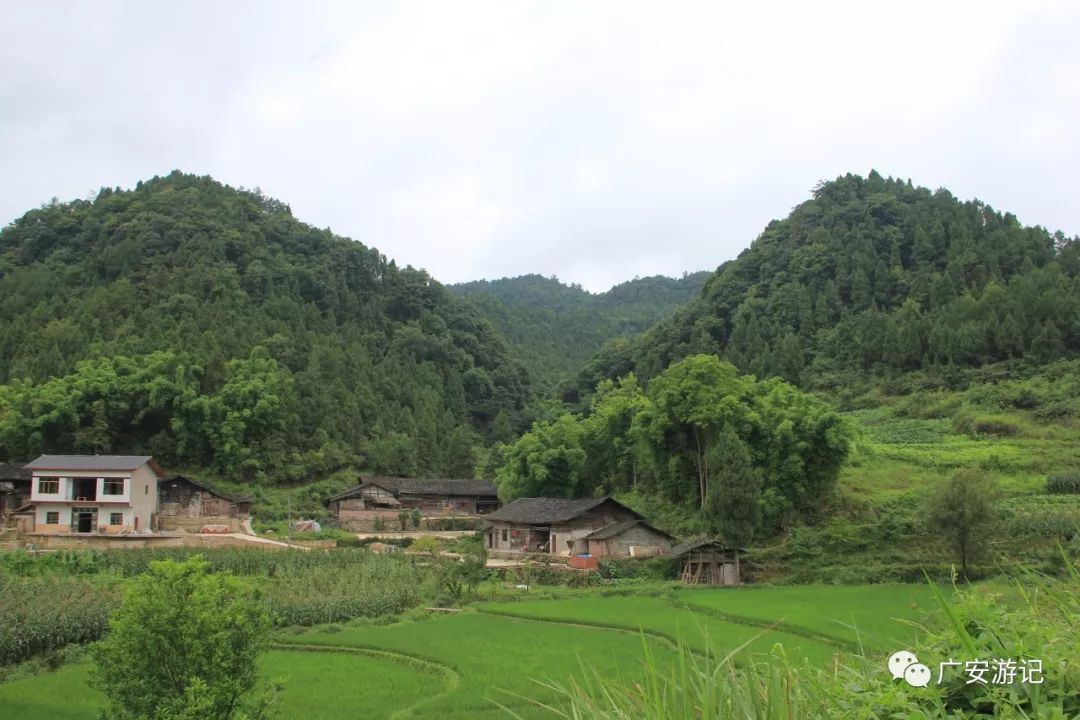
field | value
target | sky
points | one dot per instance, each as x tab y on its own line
594	141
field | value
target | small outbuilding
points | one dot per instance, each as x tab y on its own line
629	538
187	503
707	562
14	488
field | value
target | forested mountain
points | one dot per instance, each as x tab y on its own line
872	275
555	328
207	326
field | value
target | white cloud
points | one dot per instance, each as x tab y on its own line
595	141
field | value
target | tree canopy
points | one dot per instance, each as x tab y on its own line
741	453
205	325
871	275
555	328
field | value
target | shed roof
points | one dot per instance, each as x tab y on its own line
698	544
422	486
550	510
208	488
90	462
15	471
618	528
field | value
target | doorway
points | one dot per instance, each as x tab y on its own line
83	520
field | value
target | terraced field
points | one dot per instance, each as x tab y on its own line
477	663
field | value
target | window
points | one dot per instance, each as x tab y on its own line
504	535
113	486
146	490
116	518
52	518
48	486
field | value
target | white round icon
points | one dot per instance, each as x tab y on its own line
899	662
917	675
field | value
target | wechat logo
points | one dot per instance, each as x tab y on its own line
904	664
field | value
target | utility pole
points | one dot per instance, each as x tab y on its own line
288	526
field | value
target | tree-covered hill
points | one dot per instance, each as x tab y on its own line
207	326
555	328
871	276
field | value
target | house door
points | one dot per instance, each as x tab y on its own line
83	519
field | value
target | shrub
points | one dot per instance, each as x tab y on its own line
163	657
1064	484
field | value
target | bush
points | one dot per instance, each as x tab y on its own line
974	424
654	568
163	657
1064	484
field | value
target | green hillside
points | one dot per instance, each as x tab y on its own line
873	276
555	327
207	326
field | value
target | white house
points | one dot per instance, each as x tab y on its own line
94	493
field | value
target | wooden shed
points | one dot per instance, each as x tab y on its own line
708	562
184	502
14	488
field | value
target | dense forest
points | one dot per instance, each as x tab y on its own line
207	326
555	328
872	276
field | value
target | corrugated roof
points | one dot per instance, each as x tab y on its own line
89	462
536	511
618	528
420	486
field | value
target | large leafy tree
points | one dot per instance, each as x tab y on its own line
691	404
611	440
962	511
547	461
183	646
734	503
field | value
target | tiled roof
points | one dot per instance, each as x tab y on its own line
467	487
549	510
14	471
618	528
89	462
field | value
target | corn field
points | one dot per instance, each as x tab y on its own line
49	600
38	615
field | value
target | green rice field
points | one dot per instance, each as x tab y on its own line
468	664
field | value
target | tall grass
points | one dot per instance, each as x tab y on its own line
1033	618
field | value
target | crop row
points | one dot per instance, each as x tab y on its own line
38	615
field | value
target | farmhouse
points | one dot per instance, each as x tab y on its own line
14	488
94	493
601	527
189	504
384	497
708	562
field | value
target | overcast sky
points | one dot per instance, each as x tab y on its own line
595	141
